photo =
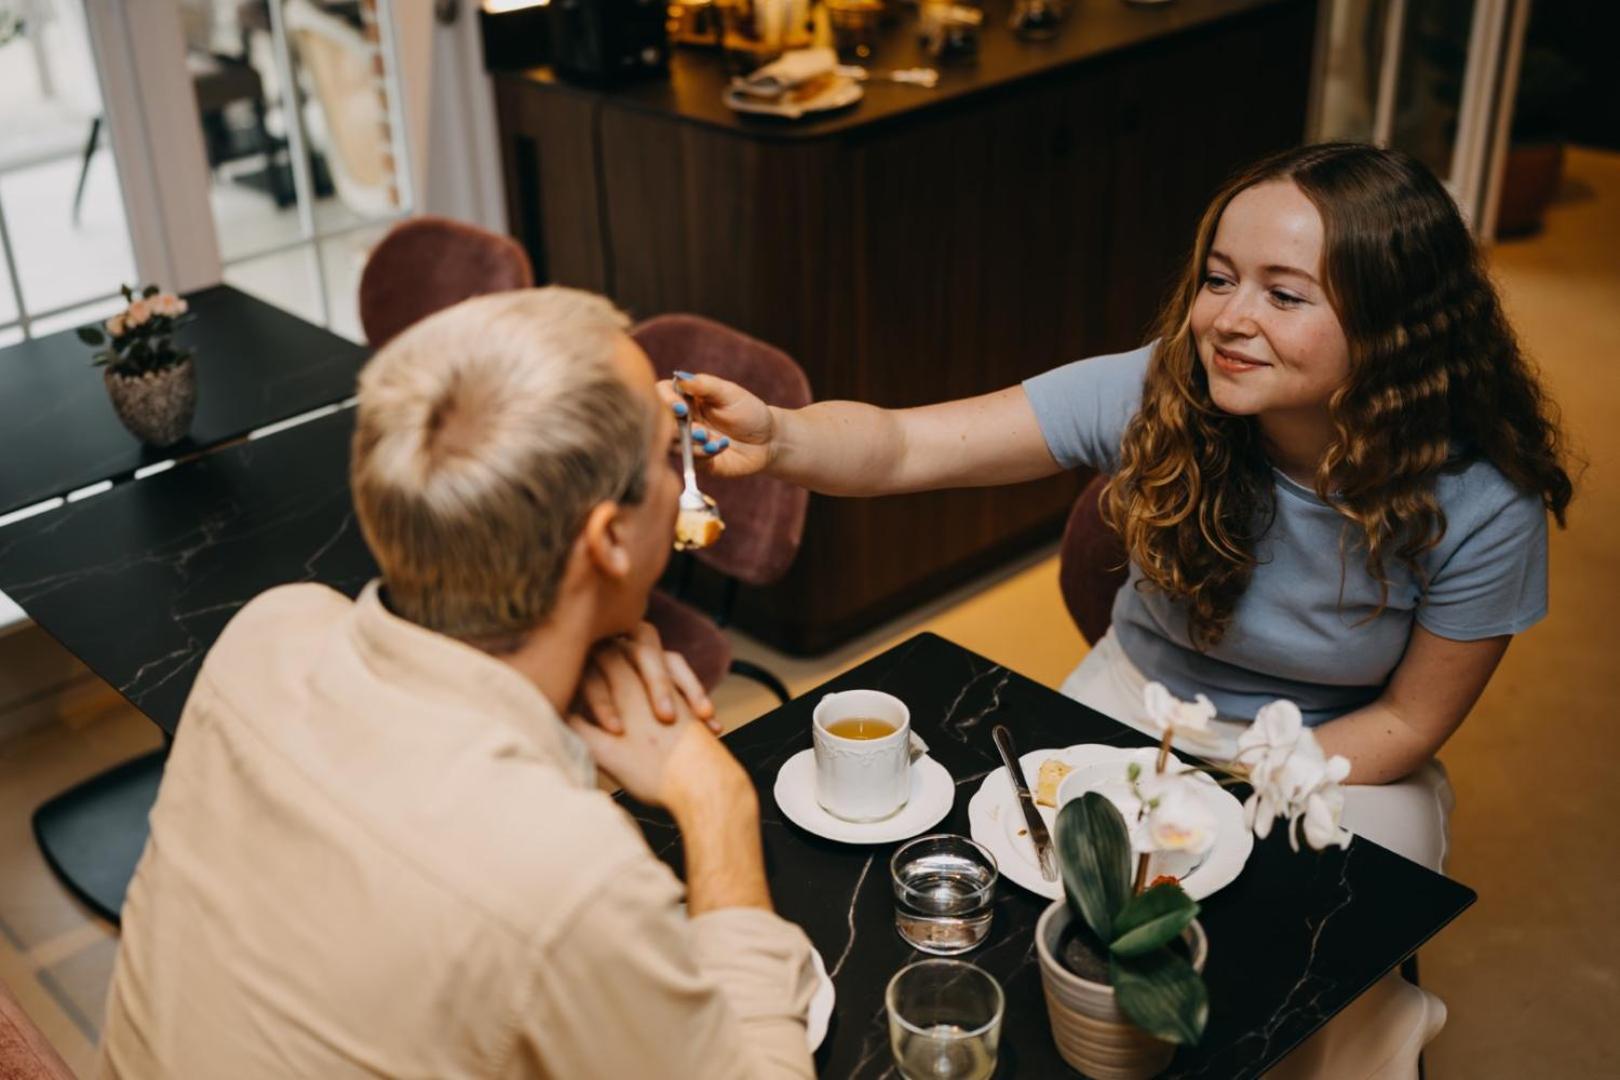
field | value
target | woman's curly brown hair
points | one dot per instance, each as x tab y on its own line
1436	380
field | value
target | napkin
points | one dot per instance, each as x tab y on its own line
796	68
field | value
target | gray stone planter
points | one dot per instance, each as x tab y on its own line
156	407
1090	1031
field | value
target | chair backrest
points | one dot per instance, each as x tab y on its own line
1091	564
428	263
24	1053
764	516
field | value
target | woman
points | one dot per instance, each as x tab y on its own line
1331	472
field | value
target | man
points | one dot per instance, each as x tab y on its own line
378	850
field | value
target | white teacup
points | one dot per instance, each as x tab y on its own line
864	779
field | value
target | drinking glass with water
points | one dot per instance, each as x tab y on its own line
944	888
944	1020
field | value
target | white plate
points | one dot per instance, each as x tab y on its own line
841	92
995	821
933	792
821	1006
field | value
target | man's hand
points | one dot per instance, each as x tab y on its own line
664	675
682	767
658	762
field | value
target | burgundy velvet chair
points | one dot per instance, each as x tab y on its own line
764	517
1091	564
428	263
24	1053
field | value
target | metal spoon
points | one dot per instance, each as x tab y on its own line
693	528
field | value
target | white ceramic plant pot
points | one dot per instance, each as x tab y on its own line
1091	1033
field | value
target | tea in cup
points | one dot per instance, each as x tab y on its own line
864	748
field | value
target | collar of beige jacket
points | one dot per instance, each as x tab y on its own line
431	665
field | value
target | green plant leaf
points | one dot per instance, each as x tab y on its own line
1094	854
1152	920
1162	995
150	291
90	335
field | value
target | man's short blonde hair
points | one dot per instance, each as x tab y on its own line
484	436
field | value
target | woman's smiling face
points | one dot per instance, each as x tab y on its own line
1268	338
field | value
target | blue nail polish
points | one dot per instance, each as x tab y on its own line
683	374
700	434
680	408
711	448
725	441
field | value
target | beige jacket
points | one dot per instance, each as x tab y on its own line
378	852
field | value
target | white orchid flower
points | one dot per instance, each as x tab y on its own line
1276	726
1292	778
1177	818
1189	720
1323	810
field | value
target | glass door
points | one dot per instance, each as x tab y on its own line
298	104
1435	79
64	238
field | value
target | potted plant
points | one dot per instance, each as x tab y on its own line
151	381
1122	960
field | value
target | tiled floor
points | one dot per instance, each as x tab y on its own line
1531	974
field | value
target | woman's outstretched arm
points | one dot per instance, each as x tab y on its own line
847	448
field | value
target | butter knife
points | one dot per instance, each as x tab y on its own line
1026	802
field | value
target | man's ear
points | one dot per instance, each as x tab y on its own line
604	540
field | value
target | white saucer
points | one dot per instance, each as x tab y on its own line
933	793
821	1006
995	821
841	92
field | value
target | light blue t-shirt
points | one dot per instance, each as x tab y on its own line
1292	634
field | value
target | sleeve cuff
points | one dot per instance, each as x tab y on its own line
760	959
1475	633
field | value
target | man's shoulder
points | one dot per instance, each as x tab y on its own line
305	604
282	616
268	645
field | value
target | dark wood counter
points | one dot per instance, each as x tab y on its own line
920	246
692	93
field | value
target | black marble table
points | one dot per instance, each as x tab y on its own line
256	364
139	581
1293	940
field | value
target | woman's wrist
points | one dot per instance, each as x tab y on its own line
782	423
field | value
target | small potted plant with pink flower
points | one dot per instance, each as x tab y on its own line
150	378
